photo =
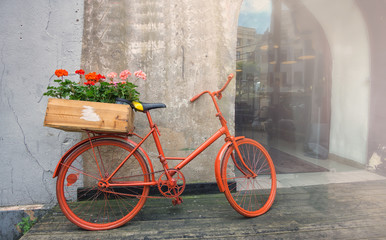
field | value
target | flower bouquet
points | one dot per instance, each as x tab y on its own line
88	105
95	88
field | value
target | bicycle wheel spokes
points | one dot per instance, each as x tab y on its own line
83	195
250	196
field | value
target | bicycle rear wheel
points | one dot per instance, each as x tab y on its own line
95	207
249	196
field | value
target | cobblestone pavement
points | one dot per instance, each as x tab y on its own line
333	211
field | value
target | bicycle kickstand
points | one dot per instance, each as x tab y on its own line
177	201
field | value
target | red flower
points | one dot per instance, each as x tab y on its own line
61	72
80	72
88	83
92	77
99	77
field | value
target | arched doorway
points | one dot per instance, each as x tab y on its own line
283	84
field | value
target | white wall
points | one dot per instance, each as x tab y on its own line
36	38
346	32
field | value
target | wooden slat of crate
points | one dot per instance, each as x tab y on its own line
71	115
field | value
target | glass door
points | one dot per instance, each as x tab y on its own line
283	80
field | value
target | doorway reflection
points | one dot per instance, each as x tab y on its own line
283	81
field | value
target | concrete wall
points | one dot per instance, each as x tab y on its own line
184	46
36	38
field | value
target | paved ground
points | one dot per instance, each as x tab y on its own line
333	211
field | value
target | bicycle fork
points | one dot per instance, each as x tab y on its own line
233	140
251	173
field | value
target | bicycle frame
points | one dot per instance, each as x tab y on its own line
163	159
184	161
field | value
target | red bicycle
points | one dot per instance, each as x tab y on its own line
104	180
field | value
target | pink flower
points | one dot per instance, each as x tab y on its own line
140	74
125	74
112	75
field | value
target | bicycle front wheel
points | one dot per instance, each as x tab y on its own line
81	194
249	196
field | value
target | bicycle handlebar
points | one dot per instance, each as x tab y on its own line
217	93
230	76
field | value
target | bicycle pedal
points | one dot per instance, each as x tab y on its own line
177	201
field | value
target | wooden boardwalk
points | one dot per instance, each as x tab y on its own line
334	211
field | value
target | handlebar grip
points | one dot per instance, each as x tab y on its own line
197	96
230	76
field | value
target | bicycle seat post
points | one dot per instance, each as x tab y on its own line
156	134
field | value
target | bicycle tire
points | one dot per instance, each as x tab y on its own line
90	206
249	196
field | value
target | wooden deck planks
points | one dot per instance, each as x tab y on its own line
338	211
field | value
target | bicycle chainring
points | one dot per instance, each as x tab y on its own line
174	187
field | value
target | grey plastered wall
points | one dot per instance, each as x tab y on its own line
184	46
36	37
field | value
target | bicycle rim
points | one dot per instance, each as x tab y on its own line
249	196
93	207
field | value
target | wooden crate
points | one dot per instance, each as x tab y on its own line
71	115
